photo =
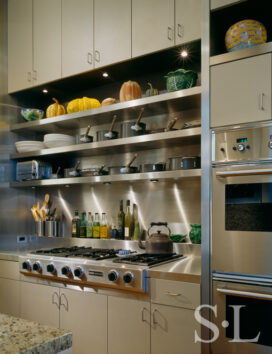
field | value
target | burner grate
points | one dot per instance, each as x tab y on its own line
148	259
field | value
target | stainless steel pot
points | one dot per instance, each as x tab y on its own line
115	170
72	172
169	127
184	163
129	129
153	167
158	243
110	134
95	171
85	138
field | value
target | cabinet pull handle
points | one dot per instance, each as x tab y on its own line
34	75
154	317
97	56
261	101
172	294
53	299
65	305
143	310
170	33
90	58
180	30
29	76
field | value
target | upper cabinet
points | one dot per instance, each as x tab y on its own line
241	91
187	21
112	31
153	25
77	36
19	44
46	40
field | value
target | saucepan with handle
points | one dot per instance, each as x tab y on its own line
115	170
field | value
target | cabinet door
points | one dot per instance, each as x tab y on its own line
85	314
39	303
46	40
77	36
187	20
173	330
241	91
112	31
152	25
10	297
128	326
19	44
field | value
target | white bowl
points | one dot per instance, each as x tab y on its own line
27	146
57	143
50	137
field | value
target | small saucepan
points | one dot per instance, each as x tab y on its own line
110	134
129	129
169	127
115	170
85	138
184	163
94	171
72	172
57	174
153	167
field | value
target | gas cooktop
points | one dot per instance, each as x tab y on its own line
148	259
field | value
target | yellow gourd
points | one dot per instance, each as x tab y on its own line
82	104
55	109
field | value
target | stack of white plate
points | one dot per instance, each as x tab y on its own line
27	146
58	140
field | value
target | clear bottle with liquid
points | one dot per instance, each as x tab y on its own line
83	225
89	229
104	227
76	225
96	226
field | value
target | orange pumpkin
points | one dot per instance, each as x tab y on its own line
130	90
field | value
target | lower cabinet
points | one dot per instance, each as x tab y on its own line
128	326
173	330
85	314
10	297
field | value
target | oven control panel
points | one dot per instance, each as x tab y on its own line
242	144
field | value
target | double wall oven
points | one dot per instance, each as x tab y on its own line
242	239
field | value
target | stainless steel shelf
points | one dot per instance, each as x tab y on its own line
164	103
241	54
137	143
129	178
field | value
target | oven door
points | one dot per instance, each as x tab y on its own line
242	219
247	308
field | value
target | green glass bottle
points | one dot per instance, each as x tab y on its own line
83	225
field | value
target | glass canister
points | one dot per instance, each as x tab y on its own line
195	233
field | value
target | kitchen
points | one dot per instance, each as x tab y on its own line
112	118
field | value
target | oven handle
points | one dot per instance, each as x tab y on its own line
261	172
241	293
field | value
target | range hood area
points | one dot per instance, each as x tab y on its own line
135	176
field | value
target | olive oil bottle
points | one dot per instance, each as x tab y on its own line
76	225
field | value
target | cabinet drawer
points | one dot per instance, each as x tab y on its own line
9	270
174	293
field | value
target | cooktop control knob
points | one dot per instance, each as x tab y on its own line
26	265
128	277
270	144
113	275
66	271
79	272
241	147
51	268
37	267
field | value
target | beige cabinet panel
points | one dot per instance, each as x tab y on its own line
46	40
39	303
9	270
241	91
19	44
77	36
112	31
10	297
187	20
85	314
152	25
128	326
173	331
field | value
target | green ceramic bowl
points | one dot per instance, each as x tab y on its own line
180	79
178	238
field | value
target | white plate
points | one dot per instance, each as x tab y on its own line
20	143
58	143
57	136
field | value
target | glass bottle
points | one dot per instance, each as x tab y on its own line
76	225
128	222
83	225
121	221
89	230
104	227
136	231
96	226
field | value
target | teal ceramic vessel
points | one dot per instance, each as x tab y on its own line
30	114
195	233
180	79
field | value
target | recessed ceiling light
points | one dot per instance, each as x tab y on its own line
184	53
44	91
105	74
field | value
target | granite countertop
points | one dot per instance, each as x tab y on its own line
188	269
26	337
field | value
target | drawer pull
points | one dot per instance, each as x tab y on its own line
172	294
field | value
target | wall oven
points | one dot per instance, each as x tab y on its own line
243	314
